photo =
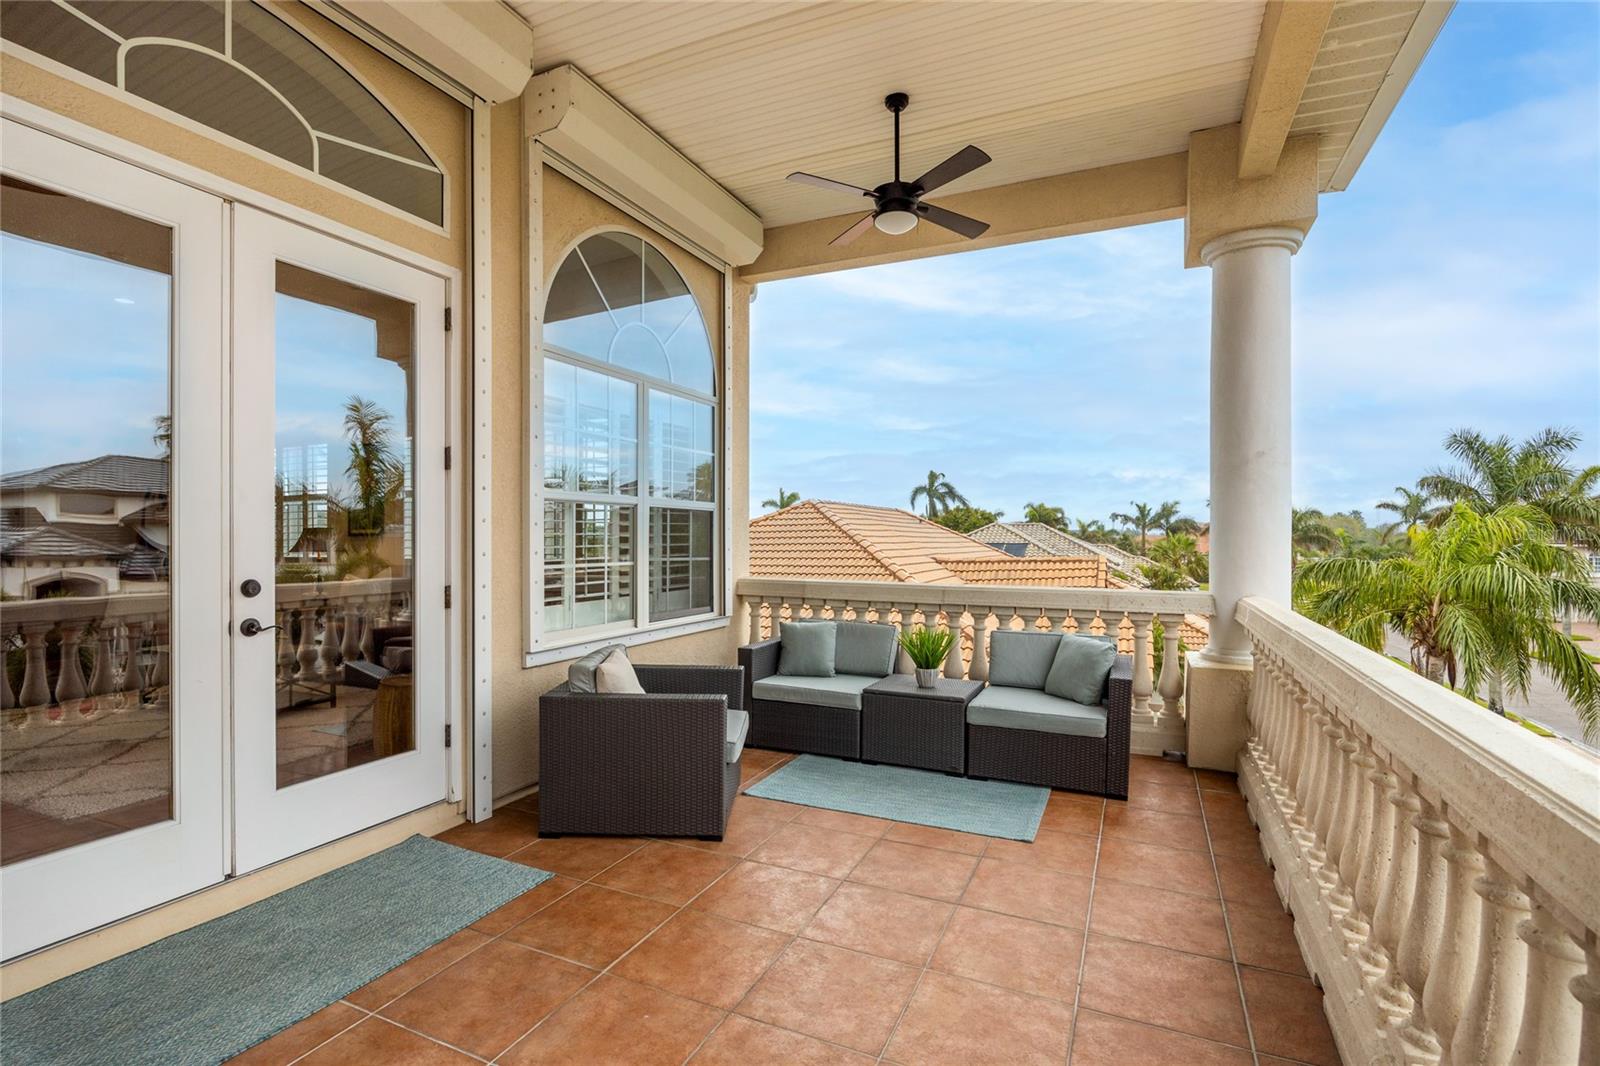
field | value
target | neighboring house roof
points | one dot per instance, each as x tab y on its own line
1037	539
826	540
117	475
25	535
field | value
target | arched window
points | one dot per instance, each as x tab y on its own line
237	68
629	442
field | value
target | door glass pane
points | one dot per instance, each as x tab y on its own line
344	518
85	535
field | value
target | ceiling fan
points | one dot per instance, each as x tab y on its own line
898	204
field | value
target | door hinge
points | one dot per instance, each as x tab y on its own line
447	320
447	596
447	457
447	735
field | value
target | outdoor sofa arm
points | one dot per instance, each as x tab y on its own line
694	681
758	660
1119	689
657	727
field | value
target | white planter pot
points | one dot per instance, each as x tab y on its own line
927	677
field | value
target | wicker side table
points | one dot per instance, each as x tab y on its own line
926	728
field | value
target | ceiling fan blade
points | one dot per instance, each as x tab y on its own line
962	163
828	183
856	230
967	227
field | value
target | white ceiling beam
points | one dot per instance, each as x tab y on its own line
1291	36
480	43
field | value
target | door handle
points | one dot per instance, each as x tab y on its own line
251	627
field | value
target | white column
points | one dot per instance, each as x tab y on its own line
1250	551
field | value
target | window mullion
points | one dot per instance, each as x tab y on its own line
642	541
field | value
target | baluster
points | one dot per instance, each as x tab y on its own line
1382	873
1420	937
1142	684
1449	983
1330	779
1303	821
102	679
69	678
8	699
349	635
1395	893
327	647
1354	925
753	605
1171	683
1340	821
286	663
1489	1022
367	644
1552	1020
1586	989
161	663
305	652
902	662
980	645
1299	734
953	666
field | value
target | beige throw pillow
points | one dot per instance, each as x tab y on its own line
615	674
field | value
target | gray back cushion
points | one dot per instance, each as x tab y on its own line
865	648
580	675
1021	660
1082	664
808	648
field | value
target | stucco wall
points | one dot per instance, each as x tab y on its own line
571	213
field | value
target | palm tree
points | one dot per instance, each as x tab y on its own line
1475	597
1044	514
1176	563
379	473
1538	472
1309	531
1414	507
938	495
1144	518
1091	530
782	500
162	437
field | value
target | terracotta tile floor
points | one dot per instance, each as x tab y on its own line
1128	934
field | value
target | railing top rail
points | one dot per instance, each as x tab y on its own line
1136	601
1534	802
131	604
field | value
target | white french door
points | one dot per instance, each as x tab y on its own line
111	472
338	534
223	509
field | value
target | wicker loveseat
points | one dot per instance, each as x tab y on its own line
661	763
816	714
1016	731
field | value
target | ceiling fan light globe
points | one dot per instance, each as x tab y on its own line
895	223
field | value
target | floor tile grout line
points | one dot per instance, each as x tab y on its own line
364	1016
977	862
1227	928
1088	923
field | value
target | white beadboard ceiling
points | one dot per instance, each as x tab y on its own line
753	90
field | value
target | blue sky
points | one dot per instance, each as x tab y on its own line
1456	283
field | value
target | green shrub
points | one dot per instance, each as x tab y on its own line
927	647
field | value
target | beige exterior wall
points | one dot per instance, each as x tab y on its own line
572	213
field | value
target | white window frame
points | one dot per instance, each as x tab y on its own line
542	646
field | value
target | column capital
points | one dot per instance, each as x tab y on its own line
1259	237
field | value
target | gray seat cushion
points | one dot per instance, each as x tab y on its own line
1021	660
738	729
865	648
1026	708
840	690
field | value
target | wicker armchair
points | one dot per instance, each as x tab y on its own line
665	763
1085	764
799	727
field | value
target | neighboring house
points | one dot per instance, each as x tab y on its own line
1027	540
824	540
90	528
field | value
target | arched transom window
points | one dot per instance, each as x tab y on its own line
233	66
629	443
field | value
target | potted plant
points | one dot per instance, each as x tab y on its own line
927	649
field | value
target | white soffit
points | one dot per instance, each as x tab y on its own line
581	123
753	90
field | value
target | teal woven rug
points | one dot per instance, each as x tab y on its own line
209	992
988	808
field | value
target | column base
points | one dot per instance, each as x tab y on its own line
1216	695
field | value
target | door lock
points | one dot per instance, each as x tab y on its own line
250	587
251	627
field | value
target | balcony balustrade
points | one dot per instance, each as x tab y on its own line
89	654
976	611
1442	863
